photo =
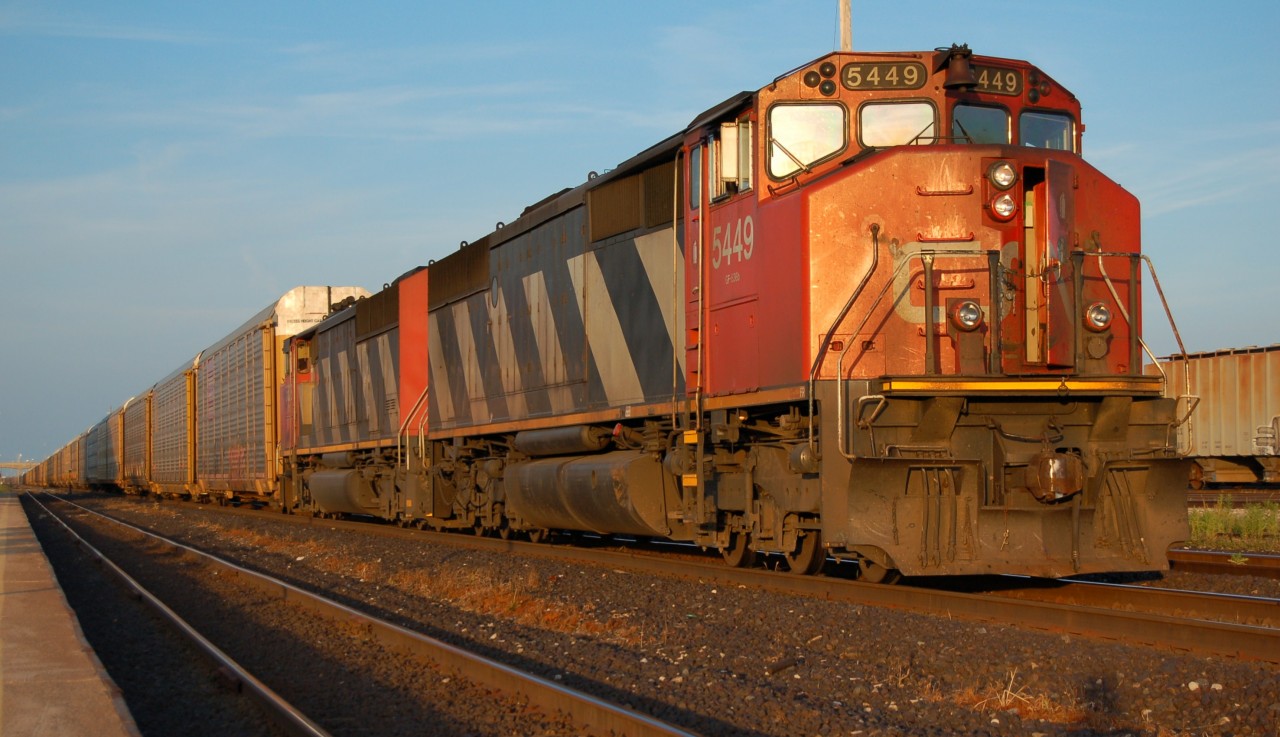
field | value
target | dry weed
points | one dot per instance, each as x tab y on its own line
476	590
1007	697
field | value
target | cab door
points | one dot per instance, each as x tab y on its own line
1050	334
695	207
1058	216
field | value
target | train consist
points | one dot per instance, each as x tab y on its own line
207	430
1234	426
879	309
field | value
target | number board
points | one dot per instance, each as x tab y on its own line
998	81
897	75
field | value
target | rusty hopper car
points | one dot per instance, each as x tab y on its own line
1232	432
879	309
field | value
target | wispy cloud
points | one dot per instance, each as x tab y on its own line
1215	179
470	61
1179	168
399	113
18	23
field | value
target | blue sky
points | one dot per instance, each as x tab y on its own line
167	169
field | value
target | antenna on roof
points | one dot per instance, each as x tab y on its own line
846	26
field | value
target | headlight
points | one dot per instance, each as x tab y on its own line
967	315
1002	174
1004	206
1097	317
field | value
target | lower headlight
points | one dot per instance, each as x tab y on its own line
1097	317
1004	206
967	315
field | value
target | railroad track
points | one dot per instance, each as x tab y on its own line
1234	496
1186	627
583	713
1253	611
1266	565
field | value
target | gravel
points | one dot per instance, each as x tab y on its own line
734	661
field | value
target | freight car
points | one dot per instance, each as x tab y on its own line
1232	431
209	429
65	468
879	309
102	452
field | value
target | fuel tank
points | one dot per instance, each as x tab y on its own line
623	492
343	491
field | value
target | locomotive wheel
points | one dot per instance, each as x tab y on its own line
809	556
873	572
539	536
739	553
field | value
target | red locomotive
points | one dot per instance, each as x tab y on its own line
879	310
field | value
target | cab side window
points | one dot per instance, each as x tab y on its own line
733	159
802	134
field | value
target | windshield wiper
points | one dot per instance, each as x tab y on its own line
803	166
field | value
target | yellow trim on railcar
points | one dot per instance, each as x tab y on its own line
1053	385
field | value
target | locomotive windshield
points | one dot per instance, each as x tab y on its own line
896	123
1045	130
1038	129
979	124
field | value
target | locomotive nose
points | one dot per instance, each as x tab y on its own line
1052	477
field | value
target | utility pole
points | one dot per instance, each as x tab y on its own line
846	26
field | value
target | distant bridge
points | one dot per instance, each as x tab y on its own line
18	465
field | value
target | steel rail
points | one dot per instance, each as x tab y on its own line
1139	628
584	709
284	714
1266	565
1235	497
1251	610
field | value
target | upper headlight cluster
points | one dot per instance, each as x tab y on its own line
1003	176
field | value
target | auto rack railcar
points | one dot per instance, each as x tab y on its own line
210	428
